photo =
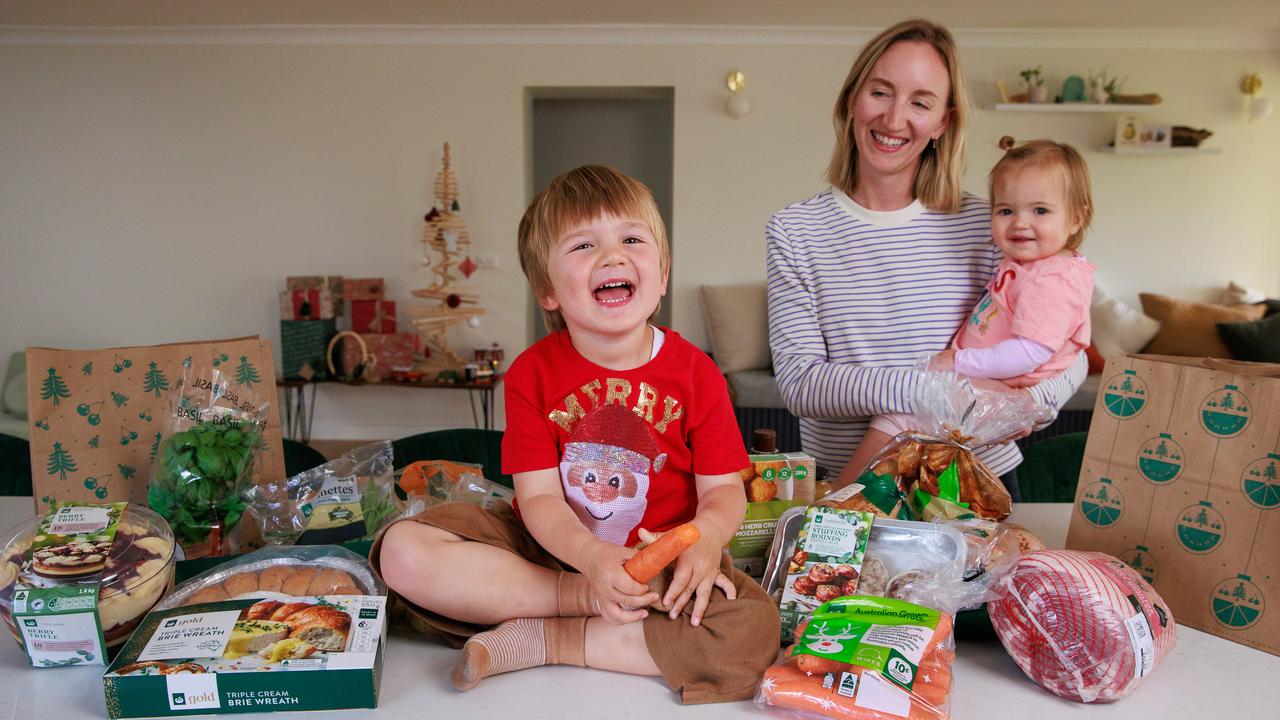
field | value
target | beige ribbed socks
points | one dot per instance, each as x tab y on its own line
574	597
519	644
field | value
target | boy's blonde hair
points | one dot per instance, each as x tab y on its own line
1048	154
578	196
937	180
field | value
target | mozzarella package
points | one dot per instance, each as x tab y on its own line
1083	625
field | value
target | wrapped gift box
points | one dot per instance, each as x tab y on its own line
363	289
303	343
308	304
394	352
373	316
307	282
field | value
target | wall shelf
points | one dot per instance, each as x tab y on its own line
1163	152
1076	107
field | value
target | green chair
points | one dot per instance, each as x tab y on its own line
15	466
299	457
1051	468
481	447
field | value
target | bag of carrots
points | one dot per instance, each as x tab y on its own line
865	658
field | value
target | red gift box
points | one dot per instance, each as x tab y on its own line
373	316
306	282
394	353
308	304
364	289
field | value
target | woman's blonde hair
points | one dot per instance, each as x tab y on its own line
937	180
1052	155
577	196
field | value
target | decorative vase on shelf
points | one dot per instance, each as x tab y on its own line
1034	83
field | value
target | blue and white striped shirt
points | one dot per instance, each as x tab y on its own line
855	295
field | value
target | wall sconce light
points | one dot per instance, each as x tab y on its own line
738	104
1255	107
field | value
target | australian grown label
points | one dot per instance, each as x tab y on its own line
883	634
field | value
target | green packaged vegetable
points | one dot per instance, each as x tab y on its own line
205	461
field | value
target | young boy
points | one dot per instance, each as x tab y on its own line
616	430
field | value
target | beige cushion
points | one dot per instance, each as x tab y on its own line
737	319
1191	328
1117	328
14	398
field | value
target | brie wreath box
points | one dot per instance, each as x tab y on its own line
262	649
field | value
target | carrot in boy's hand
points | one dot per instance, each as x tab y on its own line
652	558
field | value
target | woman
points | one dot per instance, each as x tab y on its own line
887	262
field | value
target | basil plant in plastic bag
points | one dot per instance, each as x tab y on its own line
205	461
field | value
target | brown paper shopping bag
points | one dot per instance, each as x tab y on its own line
1181	480
98	415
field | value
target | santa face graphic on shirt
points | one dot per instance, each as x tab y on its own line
605	471
609	500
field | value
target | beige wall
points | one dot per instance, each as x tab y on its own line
160	193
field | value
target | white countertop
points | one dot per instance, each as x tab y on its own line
1204	677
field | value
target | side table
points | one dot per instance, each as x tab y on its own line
300	405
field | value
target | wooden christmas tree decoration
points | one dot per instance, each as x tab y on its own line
444	240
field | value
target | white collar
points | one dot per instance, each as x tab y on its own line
658	338
885	218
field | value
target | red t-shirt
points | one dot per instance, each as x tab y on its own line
621	471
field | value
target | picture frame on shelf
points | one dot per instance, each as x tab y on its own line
1134	134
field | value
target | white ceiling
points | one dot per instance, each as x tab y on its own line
1250	16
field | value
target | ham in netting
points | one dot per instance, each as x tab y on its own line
1083	625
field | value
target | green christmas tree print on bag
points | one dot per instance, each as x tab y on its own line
54	387
155	381
247	374
60	462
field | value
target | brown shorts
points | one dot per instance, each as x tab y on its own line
720	660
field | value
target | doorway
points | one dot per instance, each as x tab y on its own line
631	129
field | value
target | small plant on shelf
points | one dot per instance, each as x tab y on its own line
1034	83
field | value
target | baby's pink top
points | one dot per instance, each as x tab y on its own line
1046	301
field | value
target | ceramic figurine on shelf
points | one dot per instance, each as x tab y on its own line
1073	89
1102	88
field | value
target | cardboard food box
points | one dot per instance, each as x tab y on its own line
773	483
224	657
77	580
